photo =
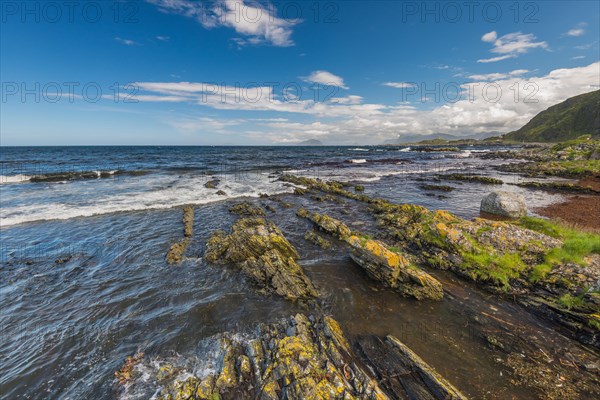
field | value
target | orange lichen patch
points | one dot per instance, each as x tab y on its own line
452	234
378	249
445	216
125	374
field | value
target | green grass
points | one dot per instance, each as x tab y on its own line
499	269
569	302
576	245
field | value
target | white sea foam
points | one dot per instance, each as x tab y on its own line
5	179
361	173
359	149
358	161
405	150
79	199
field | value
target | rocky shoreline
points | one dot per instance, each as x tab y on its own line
549	270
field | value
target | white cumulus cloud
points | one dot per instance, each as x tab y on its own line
326	78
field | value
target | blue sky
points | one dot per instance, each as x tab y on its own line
235	72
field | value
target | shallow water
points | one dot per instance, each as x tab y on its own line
80	292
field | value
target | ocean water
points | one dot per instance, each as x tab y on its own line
84	282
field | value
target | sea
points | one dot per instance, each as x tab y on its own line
84	282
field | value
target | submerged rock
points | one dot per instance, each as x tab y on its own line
394	270
247	209
504	204
176	251
299	358
259	248
125	373
221	193
188	221
317	239
212	184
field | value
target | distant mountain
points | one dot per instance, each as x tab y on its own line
410	139
576	116
310	142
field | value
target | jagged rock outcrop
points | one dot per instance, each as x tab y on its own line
394	270
504	204
259	248
382	264
298	358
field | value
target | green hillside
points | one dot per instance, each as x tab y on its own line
576	116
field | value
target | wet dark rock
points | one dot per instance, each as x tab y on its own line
402	373
359	188
221	193
259	248
212	184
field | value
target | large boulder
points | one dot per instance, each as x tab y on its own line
504	204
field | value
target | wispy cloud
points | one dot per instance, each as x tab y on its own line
256	23
325	78
577	31
163	38
399	85
126	42
577	58
510	45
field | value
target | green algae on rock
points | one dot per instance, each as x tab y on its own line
247	209
472	178
259	248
